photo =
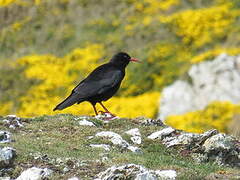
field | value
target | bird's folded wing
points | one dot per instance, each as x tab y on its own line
88	88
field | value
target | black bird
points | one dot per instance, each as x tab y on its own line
99	85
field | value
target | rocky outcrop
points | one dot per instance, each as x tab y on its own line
217	80
136	172
208	146
35	173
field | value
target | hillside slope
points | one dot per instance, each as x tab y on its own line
71	146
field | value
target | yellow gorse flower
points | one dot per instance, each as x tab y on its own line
215	116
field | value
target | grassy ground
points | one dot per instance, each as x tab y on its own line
58	142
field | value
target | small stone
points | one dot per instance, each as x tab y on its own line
199	158
136	136
86	123
166	174
35	173
151	122
7	156
103	146
5	178
133	132
90	137
106	117
115	138
134	149
5	137
73	178
162	133
12	121
12	116
136	139
66	169
146	176
104	158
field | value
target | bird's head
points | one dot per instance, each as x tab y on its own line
122	59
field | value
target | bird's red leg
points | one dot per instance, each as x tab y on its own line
95	110
106	109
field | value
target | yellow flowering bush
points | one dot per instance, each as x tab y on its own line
130	107
201	26
55	77
6	2
211	54
22	2
216	115
149	11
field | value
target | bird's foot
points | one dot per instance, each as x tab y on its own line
108	116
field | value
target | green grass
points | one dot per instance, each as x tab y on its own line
60	136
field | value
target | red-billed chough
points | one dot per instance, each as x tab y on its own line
99	85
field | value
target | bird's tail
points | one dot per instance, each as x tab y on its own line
70	100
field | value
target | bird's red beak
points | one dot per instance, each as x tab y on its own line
135	60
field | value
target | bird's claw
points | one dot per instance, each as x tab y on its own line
108	115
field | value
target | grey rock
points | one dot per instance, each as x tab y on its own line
150	122
12	121
219	142
116	139
146	176
217	80
133	132
166	174
136	172
86	123
199	158
121	172
183	139
73	178
223	149
66	169
5	137
7	156
210	145
5	178
134	149
135	135
35	173
104	159
102	146
106	117
207	135
12	116
136	139
162	133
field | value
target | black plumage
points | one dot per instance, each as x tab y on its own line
101	84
